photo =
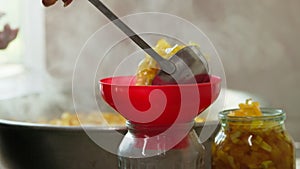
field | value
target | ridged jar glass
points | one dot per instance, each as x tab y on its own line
259	142
137	151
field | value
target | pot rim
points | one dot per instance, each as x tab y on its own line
12	123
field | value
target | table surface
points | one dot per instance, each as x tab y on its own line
297	159
297	164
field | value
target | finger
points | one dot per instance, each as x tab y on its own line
67	2
7	29
48	2
7	35
4	34
13	34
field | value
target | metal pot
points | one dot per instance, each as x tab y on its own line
36	146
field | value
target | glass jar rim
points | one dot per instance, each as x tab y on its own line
268	114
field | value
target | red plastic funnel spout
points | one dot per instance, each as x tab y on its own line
159	104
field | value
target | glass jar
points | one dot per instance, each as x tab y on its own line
153	147
259	142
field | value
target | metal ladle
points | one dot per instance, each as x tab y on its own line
188	65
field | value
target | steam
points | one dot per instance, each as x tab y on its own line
46	104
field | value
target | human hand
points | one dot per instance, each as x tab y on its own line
52	2
7	35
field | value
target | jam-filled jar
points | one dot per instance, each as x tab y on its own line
153	147
253	142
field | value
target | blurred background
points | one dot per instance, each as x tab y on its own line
256	40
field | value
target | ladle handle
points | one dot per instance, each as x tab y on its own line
165	65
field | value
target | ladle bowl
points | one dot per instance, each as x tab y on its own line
158	104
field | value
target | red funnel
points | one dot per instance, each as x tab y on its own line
158	104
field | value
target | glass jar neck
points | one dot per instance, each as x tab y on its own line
271	118
140	129
163	135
